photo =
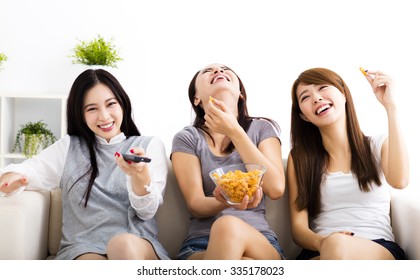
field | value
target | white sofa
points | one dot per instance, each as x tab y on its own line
31	223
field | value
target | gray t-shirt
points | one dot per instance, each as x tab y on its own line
191	140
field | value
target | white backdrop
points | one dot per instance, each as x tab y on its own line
268	43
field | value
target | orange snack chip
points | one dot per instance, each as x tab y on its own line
211	98
236	184
363	70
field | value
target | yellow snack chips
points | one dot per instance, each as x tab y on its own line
236	184
363	70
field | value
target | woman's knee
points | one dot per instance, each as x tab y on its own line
125	246
228	226
121	240
334	246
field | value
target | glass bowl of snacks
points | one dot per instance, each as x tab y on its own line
237	180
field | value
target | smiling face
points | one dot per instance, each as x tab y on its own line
102	112
218	81
321	104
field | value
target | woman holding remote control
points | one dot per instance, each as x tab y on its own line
109	204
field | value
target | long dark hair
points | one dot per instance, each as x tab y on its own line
76	124
309	155
244	119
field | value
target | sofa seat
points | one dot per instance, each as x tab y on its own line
31	222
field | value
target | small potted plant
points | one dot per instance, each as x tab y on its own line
96	52
32	138
3	58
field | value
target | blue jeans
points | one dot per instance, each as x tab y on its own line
199	244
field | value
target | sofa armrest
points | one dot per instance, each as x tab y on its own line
405	216
24	225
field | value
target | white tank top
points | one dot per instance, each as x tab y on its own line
345	207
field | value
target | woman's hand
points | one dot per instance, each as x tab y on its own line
382	87
11	181
129	167
138	171
245	204
220	119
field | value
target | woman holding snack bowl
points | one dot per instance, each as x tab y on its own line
224	134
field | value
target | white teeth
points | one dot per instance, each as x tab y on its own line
326	106
106	126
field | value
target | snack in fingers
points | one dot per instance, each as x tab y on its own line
363	71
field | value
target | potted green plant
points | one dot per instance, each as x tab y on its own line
98	51
3	58
33	137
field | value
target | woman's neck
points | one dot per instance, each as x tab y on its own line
336	143
217	142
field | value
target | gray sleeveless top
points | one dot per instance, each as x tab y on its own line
192	141
108	212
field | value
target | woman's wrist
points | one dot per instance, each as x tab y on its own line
140	183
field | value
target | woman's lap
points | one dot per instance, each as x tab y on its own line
396	251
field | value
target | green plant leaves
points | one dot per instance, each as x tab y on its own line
3	58
35	136
96	52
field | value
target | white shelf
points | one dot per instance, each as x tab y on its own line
13	155
18	109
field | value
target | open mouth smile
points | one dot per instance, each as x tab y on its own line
107	126
323	109
220	77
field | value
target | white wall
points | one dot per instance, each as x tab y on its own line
268	43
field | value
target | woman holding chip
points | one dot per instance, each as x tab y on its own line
338	179
224	134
